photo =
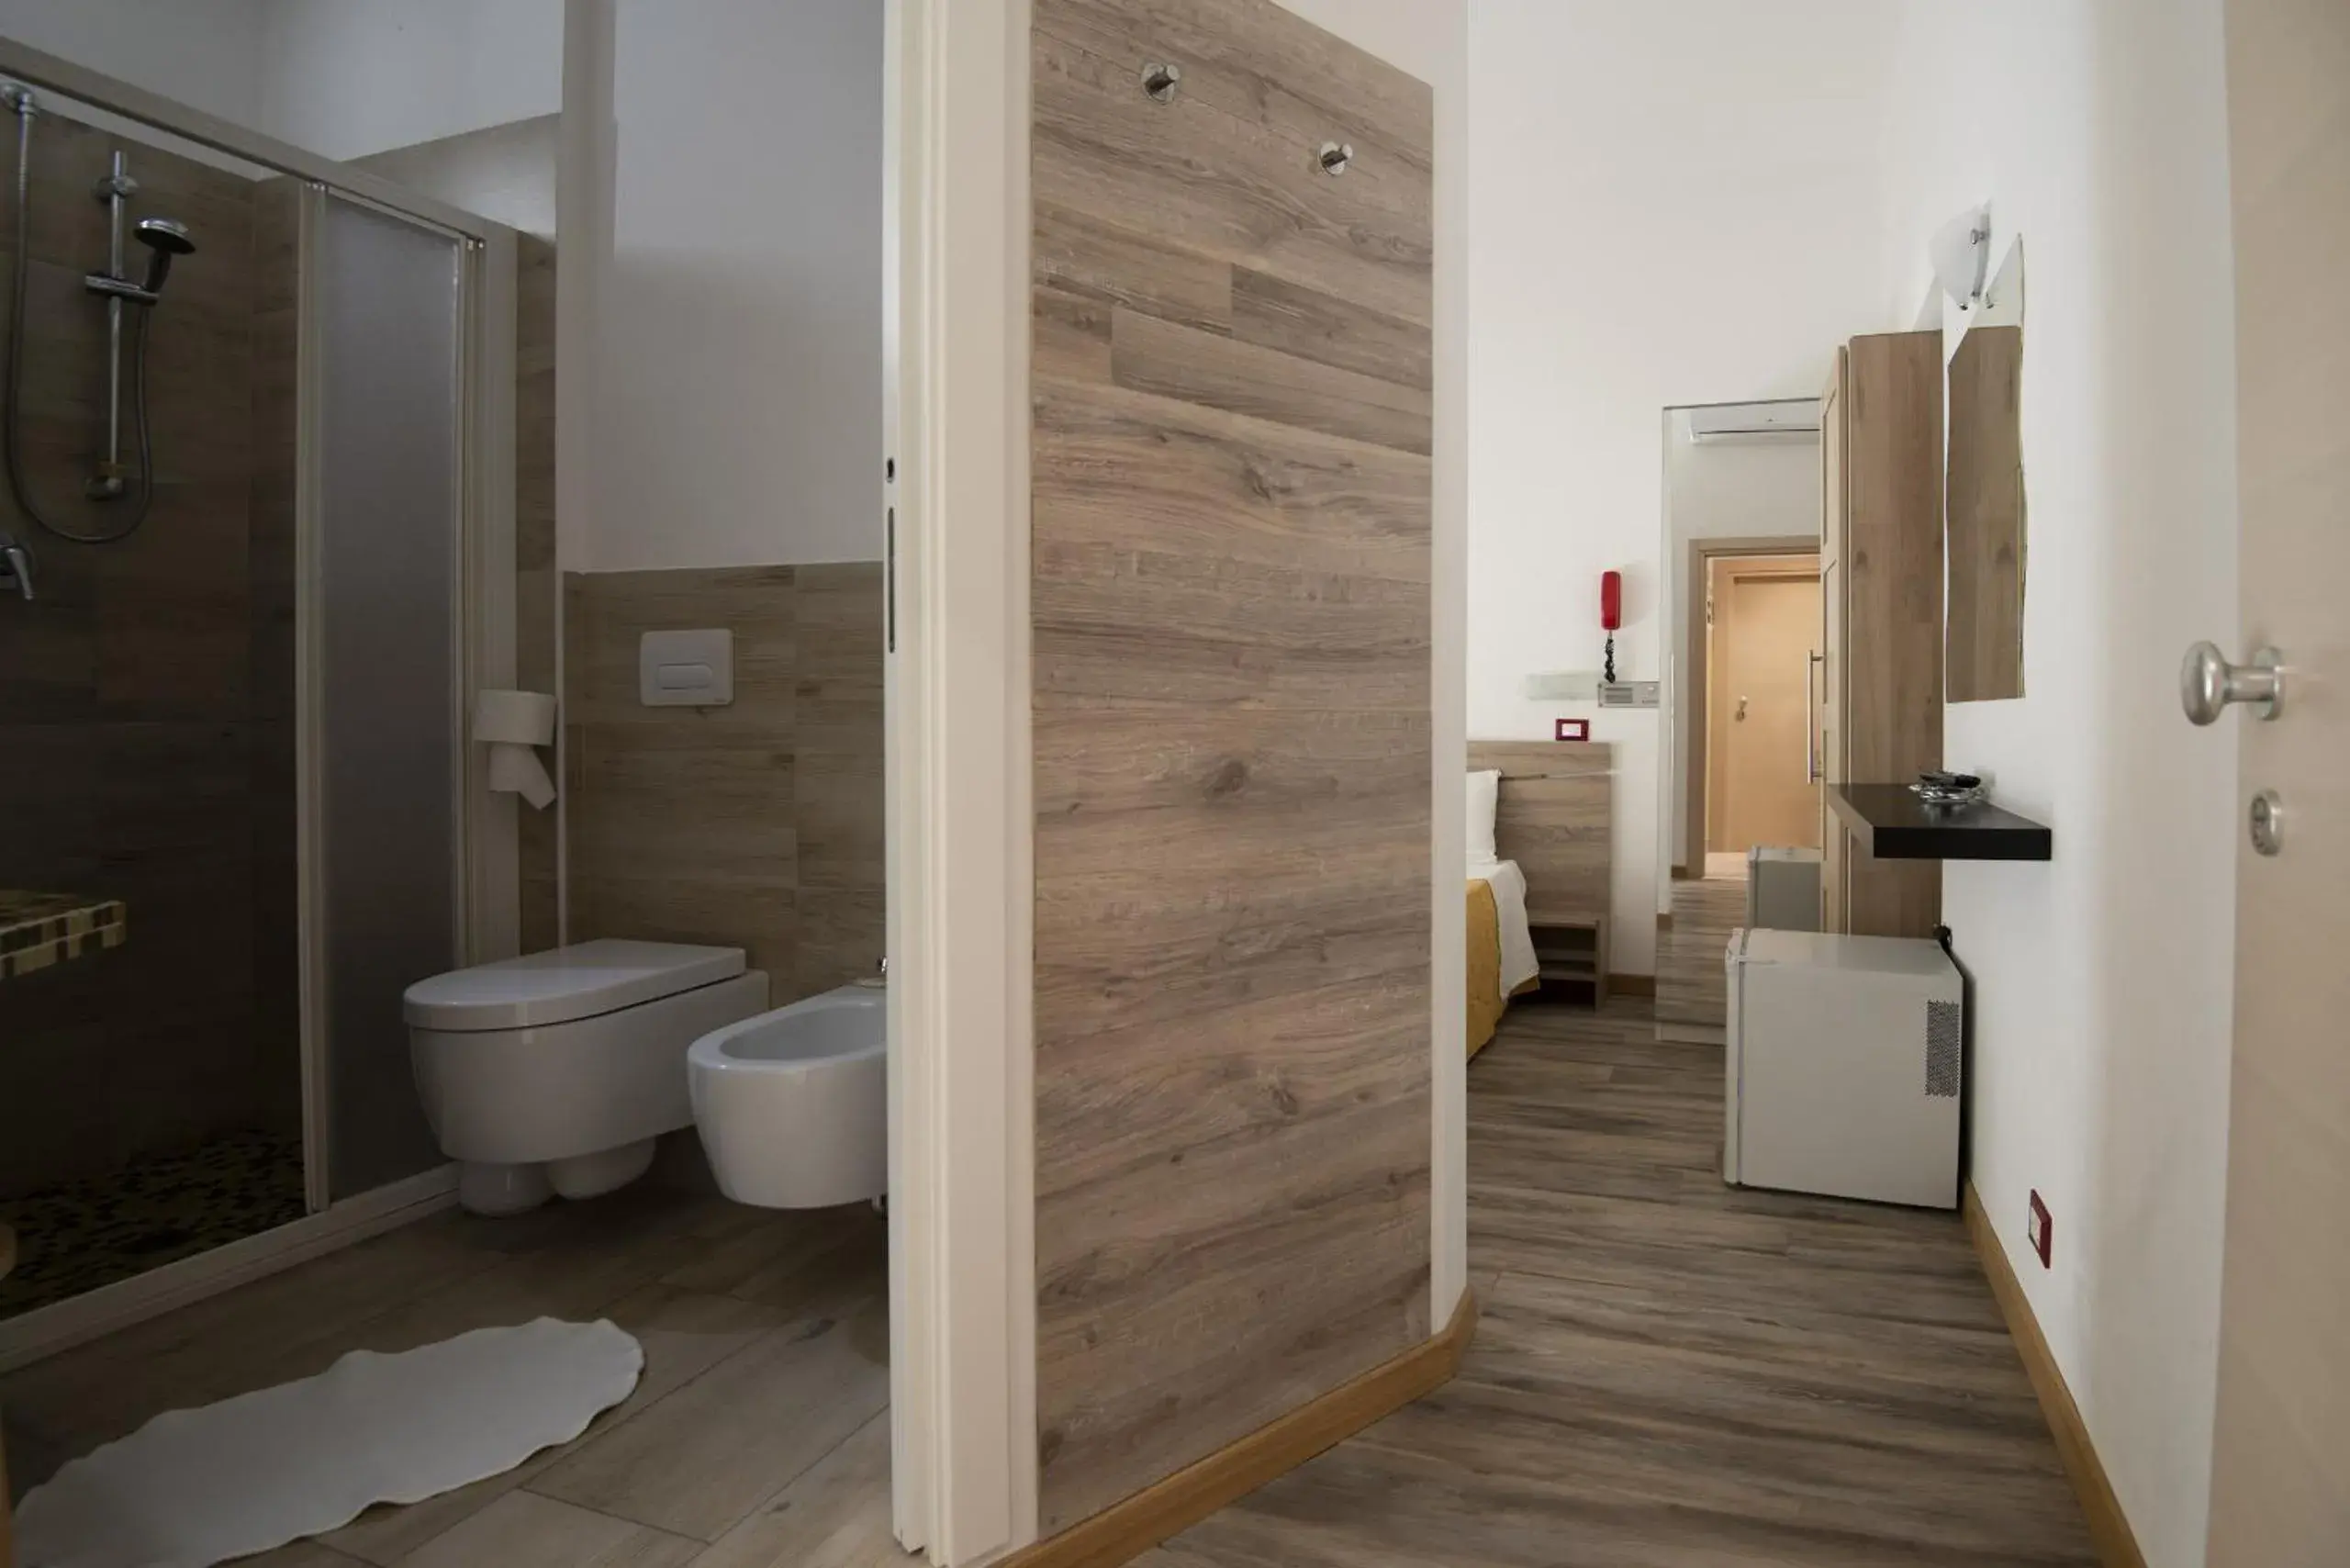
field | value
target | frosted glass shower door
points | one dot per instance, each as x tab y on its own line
385	377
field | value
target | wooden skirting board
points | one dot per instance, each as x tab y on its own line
1631	985
1127	1529
2117	1545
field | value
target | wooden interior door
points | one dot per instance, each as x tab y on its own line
2280	1483
1835	521
1766	621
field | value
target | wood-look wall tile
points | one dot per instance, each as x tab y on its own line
1114	624
129	756
1231	652
174	633
1329	330
535	400
1200	181
1168	1341
609	612
758	825
837	728
1123	468
1149	356
537	585
1076	253
1070	337
1265	65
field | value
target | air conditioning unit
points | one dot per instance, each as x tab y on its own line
1749	421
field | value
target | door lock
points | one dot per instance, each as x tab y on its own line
2267	822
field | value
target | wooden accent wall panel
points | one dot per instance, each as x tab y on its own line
536	591
757	825
1230	601
1891	672
1985	517
1554	817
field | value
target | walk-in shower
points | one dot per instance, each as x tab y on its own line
128	305
251	419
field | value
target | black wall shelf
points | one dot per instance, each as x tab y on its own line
1891	823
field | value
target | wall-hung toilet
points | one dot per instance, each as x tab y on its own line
793	1105
555	1072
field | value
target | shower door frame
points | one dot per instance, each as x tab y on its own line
487	879
486	917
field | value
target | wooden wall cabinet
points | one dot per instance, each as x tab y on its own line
1881	635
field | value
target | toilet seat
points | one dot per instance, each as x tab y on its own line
566	984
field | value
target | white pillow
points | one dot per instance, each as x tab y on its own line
1484	791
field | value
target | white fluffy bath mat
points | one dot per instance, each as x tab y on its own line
196	1487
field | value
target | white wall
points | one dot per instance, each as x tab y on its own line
1764	487
1430	39
737	378
2102	980
204	53
504	172
343	78
348	77
1674	202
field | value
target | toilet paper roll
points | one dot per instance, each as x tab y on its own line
517	770
514	718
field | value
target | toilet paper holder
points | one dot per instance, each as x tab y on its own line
514	724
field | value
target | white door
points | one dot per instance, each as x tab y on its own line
2280	1485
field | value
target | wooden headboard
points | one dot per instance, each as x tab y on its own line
1554	818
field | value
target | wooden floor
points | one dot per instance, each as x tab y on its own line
1669	1374
1673	1373
758	1437
1692	989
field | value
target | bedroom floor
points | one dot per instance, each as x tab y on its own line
1692	989
1671	1371
757	1437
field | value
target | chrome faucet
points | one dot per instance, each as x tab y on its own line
15	568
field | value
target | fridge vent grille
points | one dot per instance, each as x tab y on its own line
1943	1049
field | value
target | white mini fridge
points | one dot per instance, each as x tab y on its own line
1843	1066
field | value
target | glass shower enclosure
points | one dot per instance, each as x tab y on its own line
243	599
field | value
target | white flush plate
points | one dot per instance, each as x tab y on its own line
685	669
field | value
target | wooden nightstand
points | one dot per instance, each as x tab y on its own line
1571	948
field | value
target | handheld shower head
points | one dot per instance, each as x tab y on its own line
167	240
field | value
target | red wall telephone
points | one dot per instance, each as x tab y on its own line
1611	615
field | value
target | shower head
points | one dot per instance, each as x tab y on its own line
167	240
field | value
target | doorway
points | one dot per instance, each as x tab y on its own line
1760	783
1776	741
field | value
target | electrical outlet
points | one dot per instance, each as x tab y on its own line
2041	1230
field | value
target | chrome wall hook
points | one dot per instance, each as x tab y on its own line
1159	80
1335	157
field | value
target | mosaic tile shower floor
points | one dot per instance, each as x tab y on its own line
74	1237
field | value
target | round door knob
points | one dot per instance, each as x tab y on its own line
2208	683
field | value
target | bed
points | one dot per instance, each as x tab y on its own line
1501	948
1539	824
